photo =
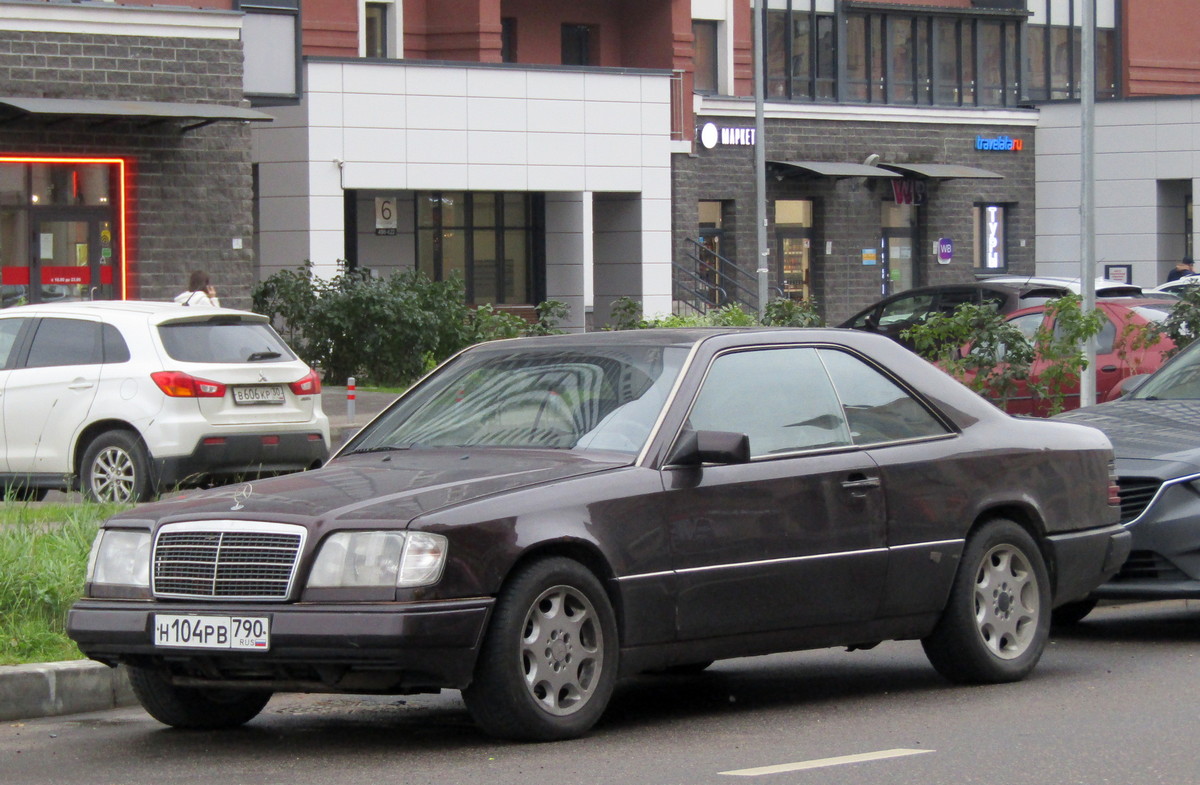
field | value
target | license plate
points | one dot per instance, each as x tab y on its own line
212	632
259	393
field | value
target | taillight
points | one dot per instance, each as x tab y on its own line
178	384
309	384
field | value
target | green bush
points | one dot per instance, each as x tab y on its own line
384	331
627	315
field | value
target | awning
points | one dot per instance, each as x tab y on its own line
149	111
943	171
835	169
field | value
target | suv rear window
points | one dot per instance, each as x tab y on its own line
224	342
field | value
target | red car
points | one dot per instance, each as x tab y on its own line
1116	359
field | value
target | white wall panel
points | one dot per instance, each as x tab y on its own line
556	115
496	147
505	83
493	177
437	112
436	81
375	110
496	114
437	147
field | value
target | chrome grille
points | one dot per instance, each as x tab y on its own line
1136	495
226	560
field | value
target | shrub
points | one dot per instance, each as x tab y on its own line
384	331
627	315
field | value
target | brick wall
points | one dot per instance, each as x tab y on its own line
847	211
191	192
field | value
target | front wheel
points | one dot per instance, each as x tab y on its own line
193	707
997	620
116	468
549	661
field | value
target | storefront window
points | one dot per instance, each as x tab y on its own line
483	238
793	245
61	229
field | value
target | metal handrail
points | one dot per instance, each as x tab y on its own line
719	268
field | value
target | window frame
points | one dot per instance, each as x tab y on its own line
288	8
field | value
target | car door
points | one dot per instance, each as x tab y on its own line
10	331
48	395
921	468
795	537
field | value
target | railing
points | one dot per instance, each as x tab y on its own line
678	107
707	280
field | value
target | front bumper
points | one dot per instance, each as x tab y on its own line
1085	559
344	647
244	454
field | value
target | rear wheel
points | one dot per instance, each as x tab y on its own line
997	620
116	468
549	661
194	707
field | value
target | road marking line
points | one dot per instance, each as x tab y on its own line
824	762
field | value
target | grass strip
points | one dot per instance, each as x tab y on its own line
43	560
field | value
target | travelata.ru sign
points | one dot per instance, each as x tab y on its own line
1004	144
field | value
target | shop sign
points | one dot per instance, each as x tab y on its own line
1001	144
908	190
711	135
993	223
870	256
55	274
945	250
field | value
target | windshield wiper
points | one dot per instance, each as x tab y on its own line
379	448
256	356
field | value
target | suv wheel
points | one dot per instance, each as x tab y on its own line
116	468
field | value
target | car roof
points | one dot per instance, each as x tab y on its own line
153	310
1069	284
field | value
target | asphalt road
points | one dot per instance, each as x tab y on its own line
1115	701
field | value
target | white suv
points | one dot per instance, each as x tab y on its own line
123	400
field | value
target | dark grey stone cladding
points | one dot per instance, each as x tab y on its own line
192	192
847	212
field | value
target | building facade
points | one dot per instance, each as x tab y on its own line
124	152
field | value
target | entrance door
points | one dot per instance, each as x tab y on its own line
71	256
897	268
794	247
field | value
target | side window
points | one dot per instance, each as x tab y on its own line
952	298
1028	324
9	329
789	406
115	348
877	409
906	310
65	342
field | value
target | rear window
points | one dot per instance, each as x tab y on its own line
224	342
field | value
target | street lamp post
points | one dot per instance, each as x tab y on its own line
1087	192
760	160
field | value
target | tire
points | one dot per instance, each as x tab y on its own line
997	620
1072	612
116	468
548	663
192	707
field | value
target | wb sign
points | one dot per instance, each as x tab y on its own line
909	191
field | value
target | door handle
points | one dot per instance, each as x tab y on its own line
1108	368
80	385
860	482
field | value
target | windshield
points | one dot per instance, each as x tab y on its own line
578	398
1179	380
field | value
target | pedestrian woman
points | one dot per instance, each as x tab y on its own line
199	291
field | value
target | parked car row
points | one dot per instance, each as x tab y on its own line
125	399
539	517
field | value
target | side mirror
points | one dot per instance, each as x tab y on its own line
697	447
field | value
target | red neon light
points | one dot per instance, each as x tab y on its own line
122	219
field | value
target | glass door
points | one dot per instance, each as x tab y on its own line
897	260
71	257
795	269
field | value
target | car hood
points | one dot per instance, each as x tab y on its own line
1148	435
383	486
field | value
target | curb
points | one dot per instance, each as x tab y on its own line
52	688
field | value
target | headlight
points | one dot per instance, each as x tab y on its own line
120	557
401	559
